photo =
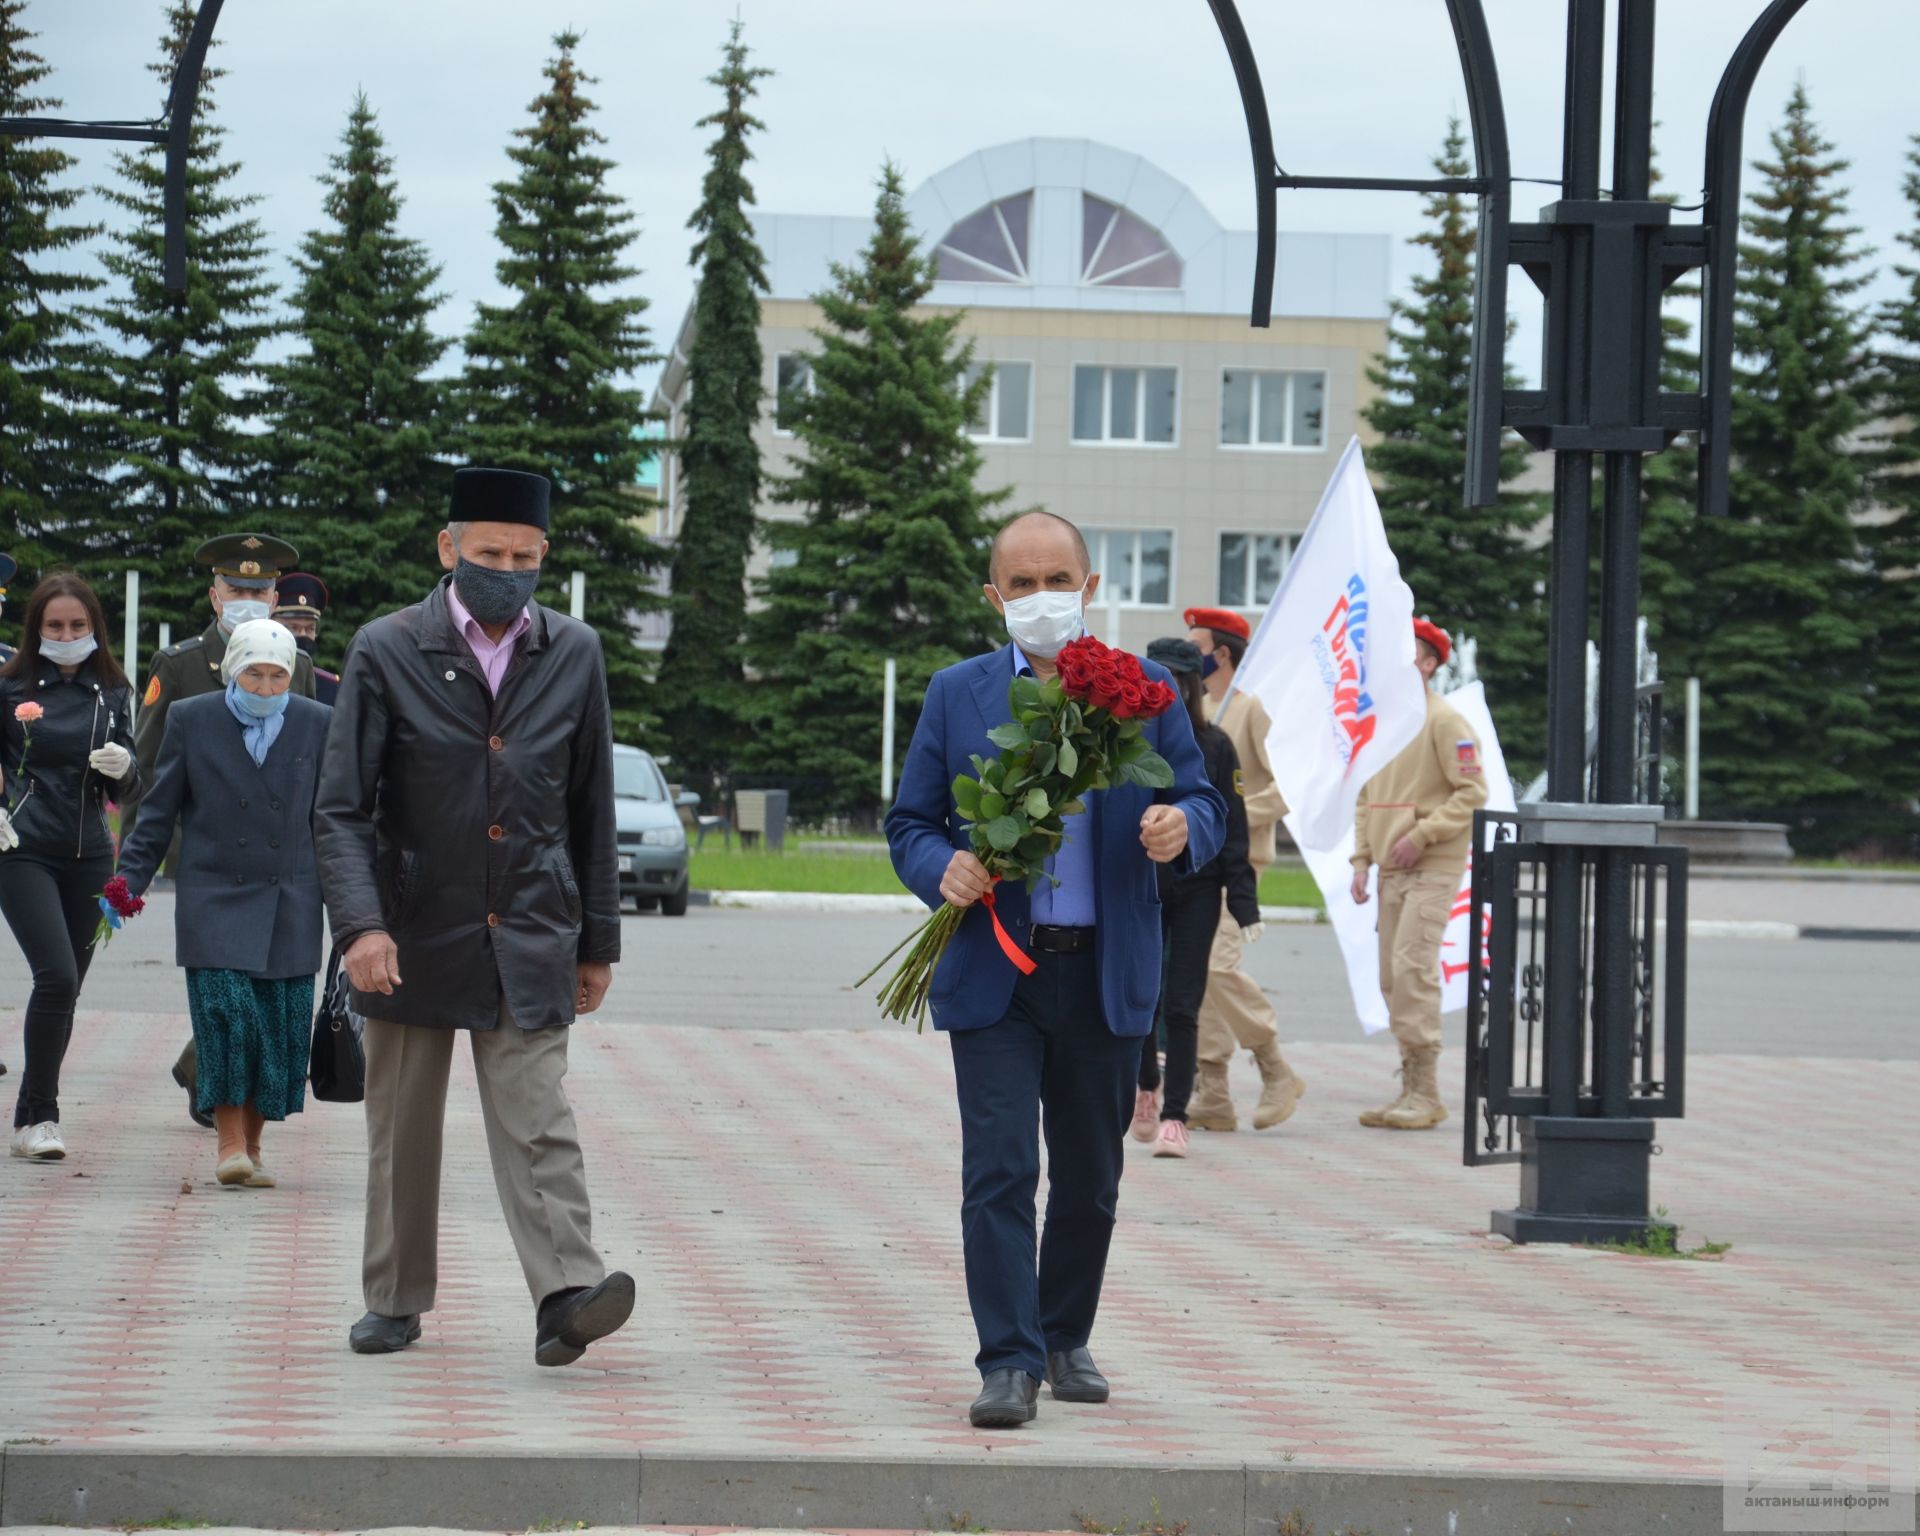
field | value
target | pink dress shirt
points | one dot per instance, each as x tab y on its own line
493	655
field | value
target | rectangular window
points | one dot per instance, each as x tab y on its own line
1006	414
1251	565
792	377
1125	405
1135	565
1266	408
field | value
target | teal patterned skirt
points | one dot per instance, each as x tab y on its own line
252	1036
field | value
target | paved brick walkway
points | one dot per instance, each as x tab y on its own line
1318	1296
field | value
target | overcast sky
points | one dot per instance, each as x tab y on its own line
1361	87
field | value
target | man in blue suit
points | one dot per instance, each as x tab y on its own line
1061	1046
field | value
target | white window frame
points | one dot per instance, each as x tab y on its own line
1246	599
1108	595
993	400
1106	405
773	395
1260	375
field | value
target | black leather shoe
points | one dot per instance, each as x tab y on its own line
1008	1398
571	1320
194	1113
1071	1374
376	1334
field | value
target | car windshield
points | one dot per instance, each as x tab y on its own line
636	778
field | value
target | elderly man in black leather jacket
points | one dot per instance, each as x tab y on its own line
465	832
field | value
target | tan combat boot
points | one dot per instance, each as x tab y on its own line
1422	1110
1377	1118
1211	1107
1280	1087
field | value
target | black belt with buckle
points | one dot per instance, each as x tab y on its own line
1061	941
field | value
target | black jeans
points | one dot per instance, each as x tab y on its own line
1051	1059
1189	920
51	904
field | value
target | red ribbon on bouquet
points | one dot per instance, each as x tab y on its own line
1023	962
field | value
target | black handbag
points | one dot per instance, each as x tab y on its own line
337	1061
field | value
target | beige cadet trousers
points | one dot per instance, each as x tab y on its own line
1235	1012
1414	906
537	1167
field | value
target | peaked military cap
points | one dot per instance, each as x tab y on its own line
250	560
9	568
298	592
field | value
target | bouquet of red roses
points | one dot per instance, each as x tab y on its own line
1079	731
117	904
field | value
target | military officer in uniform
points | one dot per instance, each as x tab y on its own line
1415	820
1235	1011
246	570
301	604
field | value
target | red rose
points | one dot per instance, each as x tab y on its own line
1160	699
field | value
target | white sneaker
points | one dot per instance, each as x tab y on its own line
41	1142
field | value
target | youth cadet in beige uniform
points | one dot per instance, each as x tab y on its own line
1236	1011
1415	819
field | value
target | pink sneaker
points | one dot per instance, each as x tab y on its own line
1173	1139
1146	1117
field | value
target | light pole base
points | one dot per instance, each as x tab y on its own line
1582	1180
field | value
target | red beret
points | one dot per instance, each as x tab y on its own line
1435	636
1223	619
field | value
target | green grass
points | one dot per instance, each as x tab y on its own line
853	875
1663	1242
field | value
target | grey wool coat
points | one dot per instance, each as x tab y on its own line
247	893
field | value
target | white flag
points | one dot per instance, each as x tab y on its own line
1356	927
1333	661
1456	951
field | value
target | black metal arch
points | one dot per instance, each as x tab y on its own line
1726	125
173	128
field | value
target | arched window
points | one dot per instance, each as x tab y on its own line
990	245
1119	249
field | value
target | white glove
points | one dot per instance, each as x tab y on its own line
112	760
9	839
1251	933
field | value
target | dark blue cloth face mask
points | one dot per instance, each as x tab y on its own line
494	597
1209	665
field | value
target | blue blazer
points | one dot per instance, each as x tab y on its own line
974	984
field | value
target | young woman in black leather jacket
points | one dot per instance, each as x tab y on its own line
66	749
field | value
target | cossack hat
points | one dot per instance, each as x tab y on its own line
251	561
1435	636
500	496
298	592
1222	620
1178	655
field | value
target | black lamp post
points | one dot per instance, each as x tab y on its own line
173	128
1576	1024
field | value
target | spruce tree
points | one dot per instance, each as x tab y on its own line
178	393
889	550
1787	725
546	386
44	466
1472	569
697	694
1895	541
358	424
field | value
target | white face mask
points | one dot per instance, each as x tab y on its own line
236	611
1041	623
67	653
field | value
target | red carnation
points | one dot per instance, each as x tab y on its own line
122	900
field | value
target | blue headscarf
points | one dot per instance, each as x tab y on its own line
262	717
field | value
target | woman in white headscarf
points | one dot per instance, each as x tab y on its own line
238	770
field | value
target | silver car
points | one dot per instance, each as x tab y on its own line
652	844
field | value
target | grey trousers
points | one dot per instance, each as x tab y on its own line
537	1166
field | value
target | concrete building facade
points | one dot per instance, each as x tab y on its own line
1130	394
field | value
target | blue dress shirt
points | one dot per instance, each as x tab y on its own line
1071	903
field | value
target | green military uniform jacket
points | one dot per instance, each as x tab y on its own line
180	672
